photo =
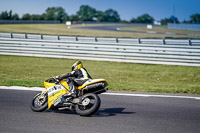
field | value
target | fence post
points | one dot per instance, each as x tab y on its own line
26	37
96	39
164	41
117	40
76	38
58	37
11	35
190	43
41	36
139	41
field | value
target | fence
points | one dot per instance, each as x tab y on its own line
195	27
29	22
149	51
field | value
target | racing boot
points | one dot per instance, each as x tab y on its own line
73	91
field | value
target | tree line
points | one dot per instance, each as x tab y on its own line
87	13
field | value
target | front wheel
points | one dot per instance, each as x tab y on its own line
39	103
89	104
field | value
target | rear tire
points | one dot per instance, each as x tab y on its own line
90	104
39	105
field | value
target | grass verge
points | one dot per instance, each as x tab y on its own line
61	29
32	71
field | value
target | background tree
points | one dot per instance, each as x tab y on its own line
195	18
6	15
111	15
55	13
133	20
60	14
50	13
86	13
15	17
145	18
100	16
73	18
169	20
26	16
187	21
35	17
124	21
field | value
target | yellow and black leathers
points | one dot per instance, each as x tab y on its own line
81	73
76	78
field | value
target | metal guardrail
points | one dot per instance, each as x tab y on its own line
149	51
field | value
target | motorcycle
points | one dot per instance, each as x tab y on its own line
57	95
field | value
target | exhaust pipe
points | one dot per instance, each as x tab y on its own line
95	88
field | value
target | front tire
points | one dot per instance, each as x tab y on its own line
90	104
39	104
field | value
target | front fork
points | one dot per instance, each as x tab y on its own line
43	94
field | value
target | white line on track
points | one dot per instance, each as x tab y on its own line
150	95
21	88
109	93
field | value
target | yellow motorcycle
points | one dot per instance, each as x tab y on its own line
57	95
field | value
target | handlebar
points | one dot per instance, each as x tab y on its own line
52	80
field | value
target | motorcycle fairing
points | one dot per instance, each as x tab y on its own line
63	82
55	94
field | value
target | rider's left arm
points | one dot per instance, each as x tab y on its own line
64	76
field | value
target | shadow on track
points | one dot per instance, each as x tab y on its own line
106	112
61	111
111	112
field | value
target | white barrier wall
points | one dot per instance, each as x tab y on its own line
149	51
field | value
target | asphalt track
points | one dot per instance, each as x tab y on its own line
113	27
117	28
117	114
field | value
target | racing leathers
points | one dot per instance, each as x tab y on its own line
76	78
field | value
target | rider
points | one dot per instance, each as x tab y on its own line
77	77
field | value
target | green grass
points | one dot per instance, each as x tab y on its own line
32	71
61	29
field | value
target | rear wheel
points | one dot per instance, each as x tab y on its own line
39	103
89	104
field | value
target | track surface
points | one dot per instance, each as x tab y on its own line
118	114
116	28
